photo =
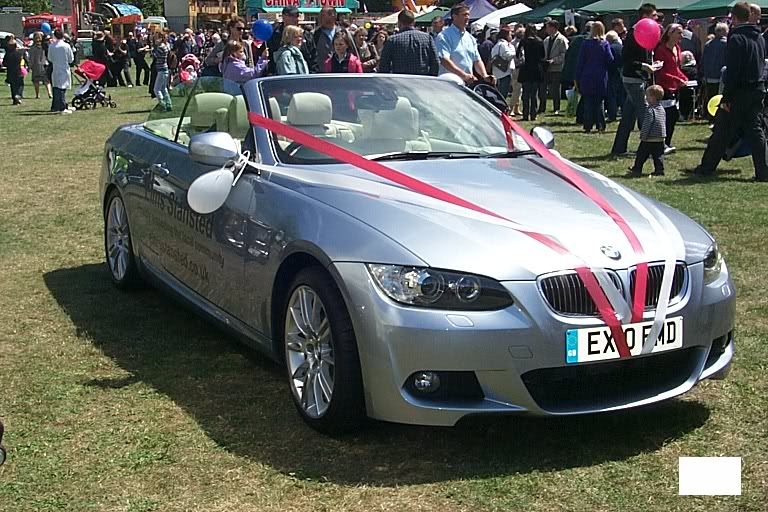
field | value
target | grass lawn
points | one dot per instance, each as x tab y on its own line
128	402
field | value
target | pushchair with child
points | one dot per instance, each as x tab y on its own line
189	69
90	94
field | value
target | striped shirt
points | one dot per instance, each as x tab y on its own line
654	124
160	54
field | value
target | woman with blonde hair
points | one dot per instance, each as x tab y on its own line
369	57
288	58
38	64
595	57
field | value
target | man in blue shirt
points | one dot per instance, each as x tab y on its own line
457	49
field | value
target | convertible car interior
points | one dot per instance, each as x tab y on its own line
367	122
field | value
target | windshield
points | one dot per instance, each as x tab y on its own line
383	117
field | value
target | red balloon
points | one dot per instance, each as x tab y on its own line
647	33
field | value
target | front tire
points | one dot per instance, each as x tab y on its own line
118	245
322	362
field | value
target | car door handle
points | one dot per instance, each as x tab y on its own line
159	170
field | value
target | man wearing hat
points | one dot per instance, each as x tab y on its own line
291	17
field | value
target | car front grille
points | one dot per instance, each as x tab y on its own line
601	385
566	294
653	286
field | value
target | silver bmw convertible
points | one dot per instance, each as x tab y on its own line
409	257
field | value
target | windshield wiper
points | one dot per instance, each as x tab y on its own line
425	155
510	154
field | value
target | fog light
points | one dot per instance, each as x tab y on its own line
426	382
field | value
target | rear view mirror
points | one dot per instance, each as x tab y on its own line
376	103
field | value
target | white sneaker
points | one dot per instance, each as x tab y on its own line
129	86
66	111
70	109
669	149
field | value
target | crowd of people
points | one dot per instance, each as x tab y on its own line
603	75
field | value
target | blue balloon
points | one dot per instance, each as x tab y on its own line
45	27
261	30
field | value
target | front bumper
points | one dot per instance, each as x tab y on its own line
517	354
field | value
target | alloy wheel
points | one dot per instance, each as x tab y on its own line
118	239
309	351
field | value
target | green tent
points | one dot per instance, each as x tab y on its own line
631	6
707	8
555	10
426	18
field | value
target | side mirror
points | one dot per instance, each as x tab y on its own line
544	136
215	148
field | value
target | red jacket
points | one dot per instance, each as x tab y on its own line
670	74
354	65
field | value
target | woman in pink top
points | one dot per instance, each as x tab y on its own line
670	77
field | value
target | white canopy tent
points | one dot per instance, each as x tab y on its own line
493	20
391	19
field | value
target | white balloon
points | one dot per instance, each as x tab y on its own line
208	192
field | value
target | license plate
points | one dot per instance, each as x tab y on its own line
597	344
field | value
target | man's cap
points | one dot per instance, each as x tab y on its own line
290	10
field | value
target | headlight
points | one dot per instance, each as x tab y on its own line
713	264
427	287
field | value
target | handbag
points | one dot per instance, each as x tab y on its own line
500	63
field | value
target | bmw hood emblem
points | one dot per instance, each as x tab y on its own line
611	252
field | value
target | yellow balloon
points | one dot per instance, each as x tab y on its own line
713	104
368	24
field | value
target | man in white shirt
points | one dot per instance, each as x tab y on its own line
457	49
61	56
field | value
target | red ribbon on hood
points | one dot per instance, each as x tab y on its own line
606	311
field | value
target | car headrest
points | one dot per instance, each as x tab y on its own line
310	109
203	108
274	108
402	122
237	118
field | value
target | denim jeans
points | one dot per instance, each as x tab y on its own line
503	85
632	112
59	103
161	88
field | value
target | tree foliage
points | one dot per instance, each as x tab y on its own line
35	6
148	7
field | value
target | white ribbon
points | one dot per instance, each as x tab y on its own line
671	241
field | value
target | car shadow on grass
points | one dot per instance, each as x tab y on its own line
240	399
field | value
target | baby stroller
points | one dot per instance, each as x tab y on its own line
189	69
90	94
